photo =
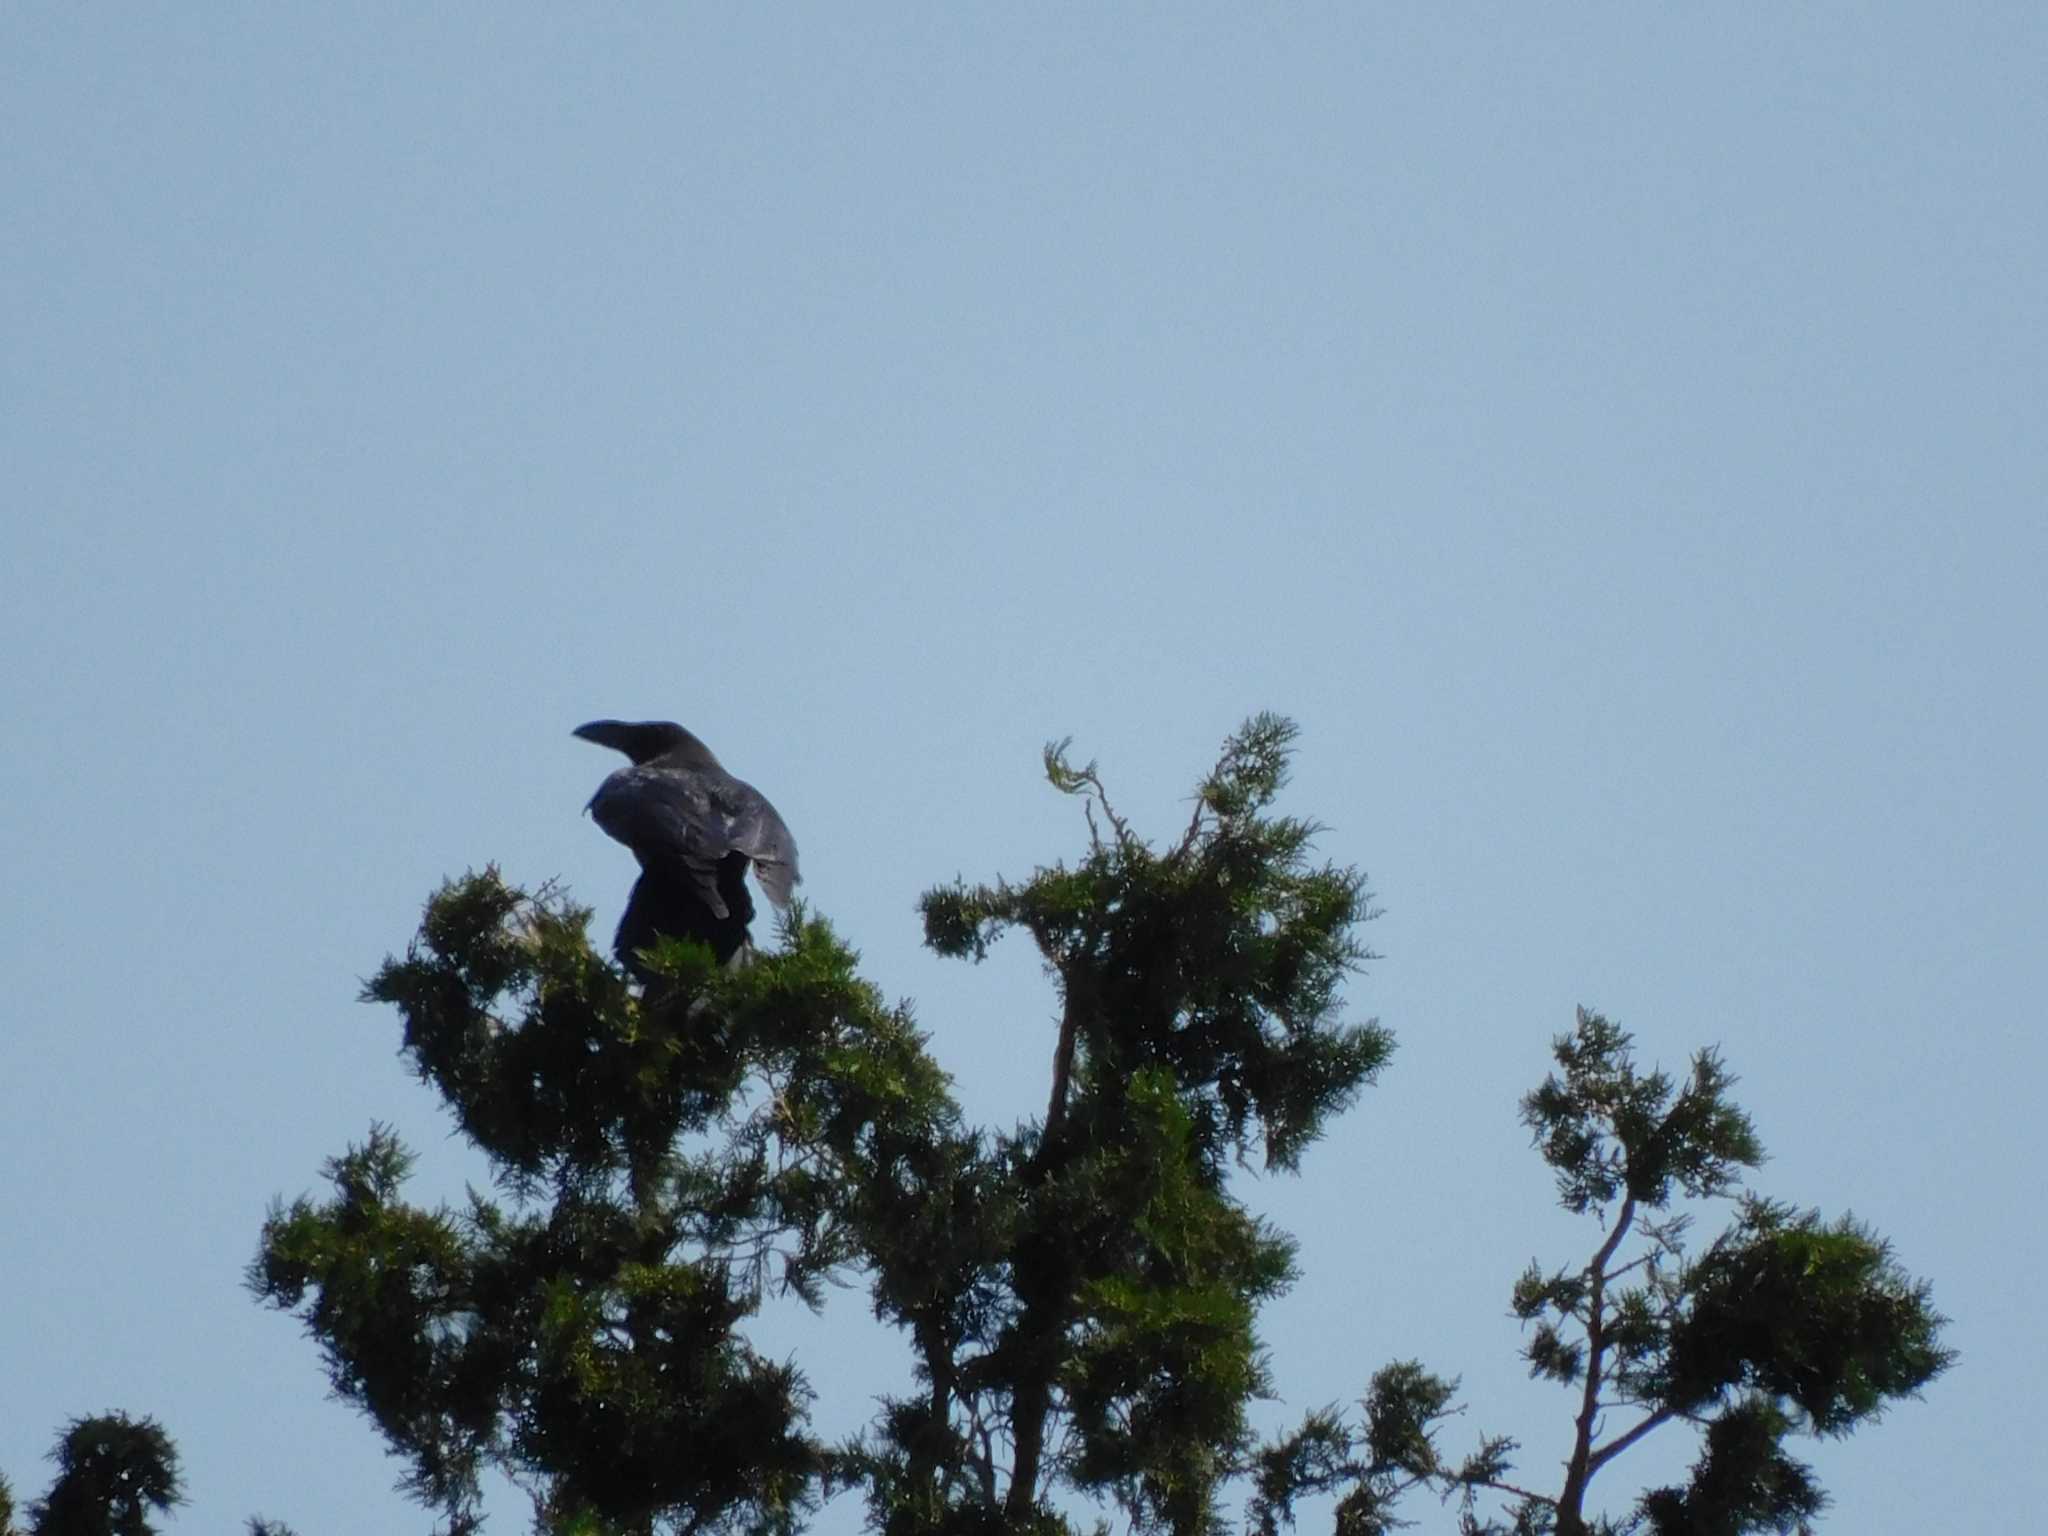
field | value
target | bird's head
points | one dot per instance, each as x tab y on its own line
646	740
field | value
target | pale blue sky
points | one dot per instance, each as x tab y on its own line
1615	435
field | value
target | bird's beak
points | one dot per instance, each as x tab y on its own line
606	733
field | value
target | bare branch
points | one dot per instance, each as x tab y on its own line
1495	1485
1615	1447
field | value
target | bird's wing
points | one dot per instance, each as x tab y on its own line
762	835
692	818
670	818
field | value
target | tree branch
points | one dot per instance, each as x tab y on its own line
1497	1486
1633	1264
1615	1447
1062	1068
1579	1471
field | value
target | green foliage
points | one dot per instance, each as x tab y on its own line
1199	989
1219	959
1807	1312
667	1158
1606	1129
1786	1323
1374	1465
1164	1357
1743	1480
1080	1295
113	1471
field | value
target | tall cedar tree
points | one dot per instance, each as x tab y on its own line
1079	1295
1784	1323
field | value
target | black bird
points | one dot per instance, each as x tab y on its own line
695	830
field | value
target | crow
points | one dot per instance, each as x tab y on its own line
695	830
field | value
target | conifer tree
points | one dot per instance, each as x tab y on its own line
1080	1295
1785	1323
113	1472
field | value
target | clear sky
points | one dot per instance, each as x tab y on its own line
1615	434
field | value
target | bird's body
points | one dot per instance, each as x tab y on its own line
696	831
